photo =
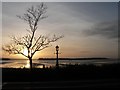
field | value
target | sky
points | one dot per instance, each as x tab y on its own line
90	29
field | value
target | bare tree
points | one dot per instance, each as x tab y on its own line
30	42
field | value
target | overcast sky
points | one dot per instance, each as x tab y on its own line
90	28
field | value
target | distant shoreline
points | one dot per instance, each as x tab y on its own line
71	58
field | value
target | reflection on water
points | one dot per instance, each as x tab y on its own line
36	65
27	64
50	63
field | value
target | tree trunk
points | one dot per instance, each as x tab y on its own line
30	63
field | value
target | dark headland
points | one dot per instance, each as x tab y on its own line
93	58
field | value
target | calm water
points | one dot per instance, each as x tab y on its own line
48	63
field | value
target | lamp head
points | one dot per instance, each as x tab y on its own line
57	47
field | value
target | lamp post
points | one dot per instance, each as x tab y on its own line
57	49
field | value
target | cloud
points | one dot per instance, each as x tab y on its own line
108	30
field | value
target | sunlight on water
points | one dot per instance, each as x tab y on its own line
35	65
28	64
39	66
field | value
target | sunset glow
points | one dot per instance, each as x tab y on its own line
90	29
59	44
25	51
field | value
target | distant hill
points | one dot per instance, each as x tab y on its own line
71	58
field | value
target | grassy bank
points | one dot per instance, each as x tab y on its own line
70	72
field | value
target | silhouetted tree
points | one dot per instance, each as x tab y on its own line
30	42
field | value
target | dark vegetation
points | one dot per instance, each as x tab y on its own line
69	72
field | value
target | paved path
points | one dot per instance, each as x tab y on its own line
113	83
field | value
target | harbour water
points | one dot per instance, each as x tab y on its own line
50	63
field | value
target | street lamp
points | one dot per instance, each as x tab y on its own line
57	49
